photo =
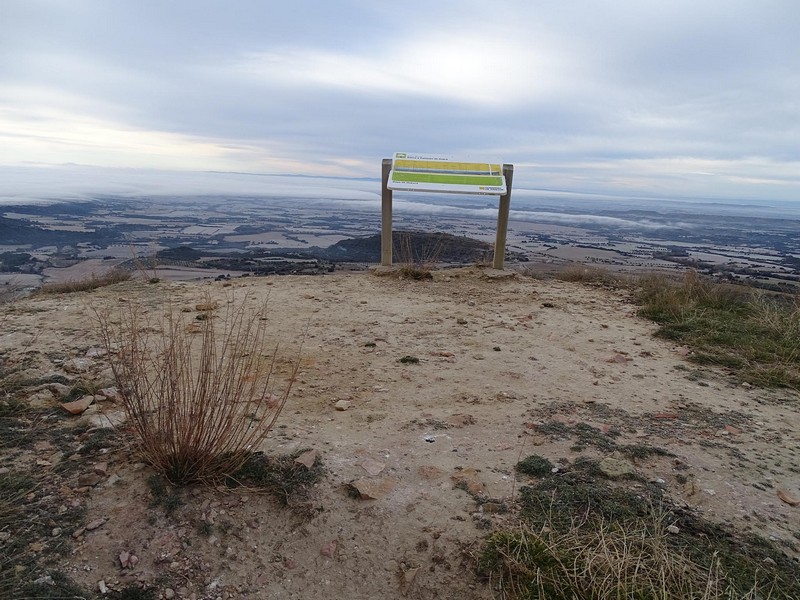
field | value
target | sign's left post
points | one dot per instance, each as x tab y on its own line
386	214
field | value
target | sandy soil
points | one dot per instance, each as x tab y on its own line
497	357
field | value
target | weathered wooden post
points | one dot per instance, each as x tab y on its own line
386	214
502	220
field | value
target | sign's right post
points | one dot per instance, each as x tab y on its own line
502	220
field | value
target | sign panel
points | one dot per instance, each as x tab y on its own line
438	173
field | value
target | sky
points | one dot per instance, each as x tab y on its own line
653	98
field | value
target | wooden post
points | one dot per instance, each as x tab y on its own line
386	214
502	220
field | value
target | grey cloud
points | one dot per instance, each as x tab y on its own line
594	89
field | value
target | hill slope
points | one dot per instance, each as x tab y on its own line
506	368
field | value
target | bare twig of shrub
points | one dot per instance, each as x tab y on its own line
416	260
200	394
148	272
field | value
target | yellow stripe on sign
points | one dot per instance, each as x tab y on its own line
447	166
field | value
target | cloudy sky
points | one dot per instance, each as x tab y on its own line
678	98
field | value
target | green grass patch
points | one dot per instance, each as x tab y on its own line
535	465
754	334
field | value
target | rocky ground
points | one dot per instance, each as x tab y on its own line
419	398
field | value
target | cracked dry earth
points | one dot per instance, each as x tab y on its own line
507	368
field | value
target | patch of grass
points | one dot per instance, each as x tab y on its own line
559	499
55	586
409	360
414	272
86	285
748	331
13	488
26	510
16	430
205	528
582	538
133	592
158	487
535	465
291	483
12	384
163	495
98	439
79	390
171	503
592	436
641	452
12	407
591	275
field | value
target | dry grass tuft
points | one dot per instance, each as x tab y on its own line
13	490
85	285
591	275
200	394
604	560
416	254
753	333
10	291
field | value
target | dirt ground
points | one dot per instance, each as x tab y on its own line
499	359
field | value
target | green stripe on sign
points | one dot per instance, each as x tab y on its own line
404	176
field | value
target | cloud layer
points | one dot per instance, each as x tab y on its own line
678	99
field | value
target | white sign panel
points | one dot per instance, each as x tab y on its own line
437	173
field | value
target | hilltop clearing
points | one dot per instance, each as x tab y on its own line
419	397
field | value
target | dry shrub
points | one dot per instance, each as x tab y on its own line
84	285
590	275
417	254
10	291
200	393
148	271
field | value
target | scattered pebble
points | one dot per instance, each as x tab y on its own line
95	524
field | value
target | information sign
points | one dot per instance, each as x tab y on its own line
438	173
